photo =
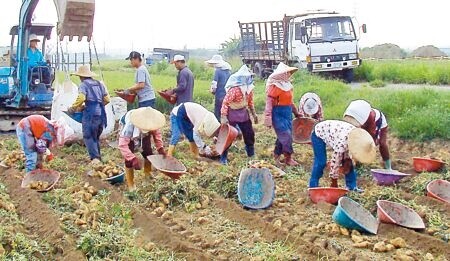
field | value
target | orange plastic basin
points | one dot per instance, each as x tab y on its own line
396	213
46	175
427	164
302	129
326	194
172	99
129	97
169	166
227	135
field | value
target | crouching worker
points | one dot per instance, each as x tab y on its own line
134	124
236	107
191	119
347	142
311	106
37	134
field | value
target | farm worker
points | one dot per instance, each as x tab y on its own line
185	81
192	120
236	107
311	106
92	98
37	134
348	143
361	114
221	74
35	58
146	95
133	124
279	110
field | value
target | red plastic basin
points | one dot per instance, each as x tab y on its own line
326	194
426	164
170	98
396	213
169	166
227	135
302	129
439	189
129	97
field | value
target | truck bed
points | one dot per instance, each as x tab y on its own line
262	41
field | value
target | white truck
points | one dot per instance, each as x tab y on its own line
319	41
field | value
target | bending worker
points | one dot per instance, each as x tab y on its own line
37	134
190	118
361	114
311	106
134	124
92	98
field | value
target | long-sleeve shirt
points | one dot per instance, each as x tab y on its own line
319	115
235	97
280	97
335	134
221	77
185	86
35	57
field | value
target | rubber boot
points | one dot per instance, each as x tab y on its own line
129	172
147	168
250	150
278	161
334	183
224	158
289	161
194	149
171	150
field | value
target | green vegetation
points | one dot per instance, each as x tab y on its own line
433	72
419	114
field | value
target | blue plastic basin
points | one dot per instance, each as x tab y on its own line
352	215
256	188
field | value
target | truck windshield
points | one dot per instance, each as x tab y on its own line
330	29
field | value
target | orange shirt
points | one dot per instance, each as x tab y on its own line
282	98
39	126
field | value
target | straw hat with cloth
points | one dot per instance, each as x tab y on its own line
218	62
84	71
357	113
361	146
209	125
147	119
311	105
281	77
242	79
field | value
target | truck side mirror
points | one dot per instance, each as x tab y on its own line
303	31
364	28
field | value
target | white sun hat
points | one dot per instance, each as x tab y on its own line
34	37
361	146
216	59
359	110
147	119
179	57
311	106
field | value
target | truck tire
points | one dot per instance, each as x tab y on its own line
347	75
258	70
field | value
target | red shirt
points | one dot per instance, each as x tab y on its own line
282	98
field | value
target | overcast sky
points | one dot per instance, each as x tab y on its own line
144	24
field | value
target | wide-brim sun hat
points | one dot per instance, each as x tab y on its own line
283	68
311	106
209	125
361	146
216	59
84	71
34	37
147	119
359	110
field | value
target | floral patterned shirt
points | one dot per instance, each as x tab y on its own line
235	95
335	134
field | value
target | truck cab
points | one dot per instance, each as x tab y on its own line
323	42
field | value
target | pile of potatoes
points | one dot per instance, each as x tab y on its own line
107	170
39	185
85	214
264	164
13	159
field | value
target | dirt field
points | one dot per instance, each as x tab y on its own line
199	218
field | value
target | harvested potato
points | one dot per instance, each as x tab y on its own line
39	185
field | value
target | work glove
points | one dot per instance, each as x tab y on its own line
387	164
224	120
41	146
133	164
71	110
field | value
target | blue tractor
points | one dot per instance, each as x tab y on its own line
24	89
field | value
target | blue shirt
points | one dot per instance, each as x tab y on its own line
221	77
35	58
94	92
185	86
147	93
